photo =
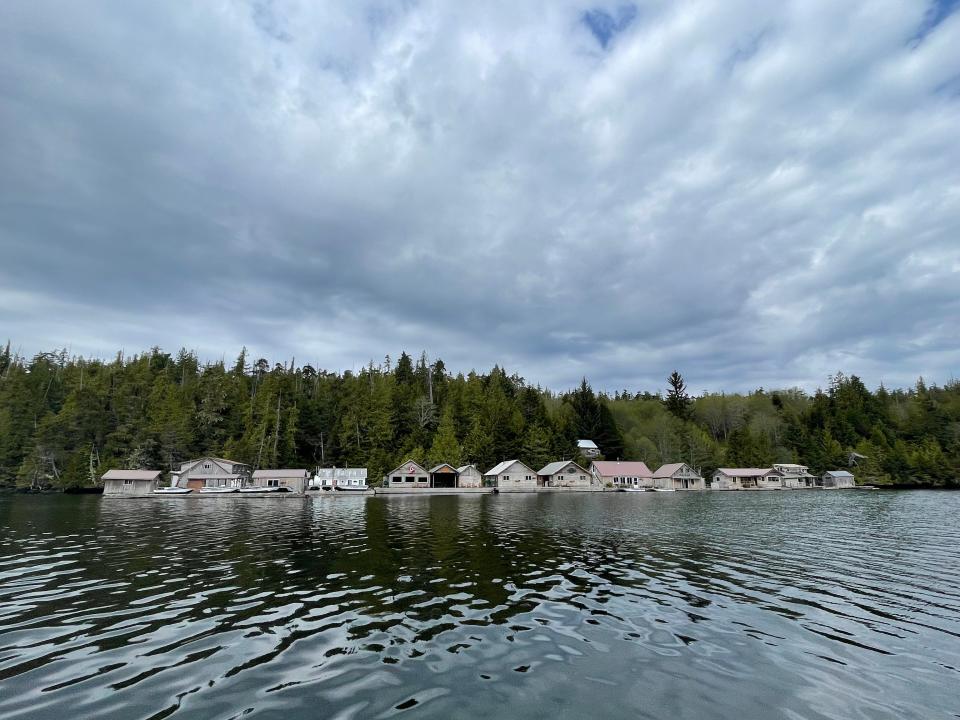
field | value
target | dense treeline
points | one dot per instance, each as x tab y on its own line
65	420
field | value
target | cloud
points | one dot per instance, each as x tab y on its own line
754	193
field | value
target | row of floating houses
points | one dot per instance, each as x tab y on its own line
212	475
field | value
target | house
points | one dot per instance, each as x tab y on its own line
409	475
746	479
444	475
469	476
212	472
328	478
564	473
294	480
622	473
510	475
588	448
837	480
795	476
677	476
130	483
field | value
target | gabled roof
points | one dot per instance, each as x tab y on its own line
838	473
555	467
441	466
500	467
587	445
131	475
747	472
402	469
280	473
465	468
222	462
618	467
668	470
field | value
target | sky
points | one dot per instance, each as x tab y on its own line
753	193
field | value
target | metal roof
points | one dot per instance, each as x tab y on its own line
442	465
500	467
627	467
280	473
746	472
838	473
131	475
587	445
555	467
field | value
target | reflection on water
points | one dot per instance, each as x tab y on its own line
757	605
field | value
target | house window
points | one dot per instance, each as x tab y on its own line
128	482
506	477
397	478
273	483
206	466
410	478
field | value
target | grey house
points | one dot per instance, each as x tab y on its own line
130	483
837	480
212	472
409	475
469	476
510	475
564	473
294	480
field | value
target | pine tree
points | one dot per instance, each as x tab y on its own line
677	400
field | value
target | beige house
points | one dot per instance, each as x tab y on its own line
130	483
294	480
469	476
511	475
409	475
677	476
795	476
564	473
746	479
212	472
620	473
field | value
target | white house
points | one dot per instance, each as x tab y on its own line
294	480
795	476
588	448
622	473
329	478
837	480
409	475
678	476
511	475
130	483
564	473
747	479
469	476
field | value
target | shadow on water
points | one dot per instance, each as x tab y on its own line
757	605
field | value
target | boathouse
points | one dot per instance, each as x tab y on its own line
444	475
746	479
837	480
511	475
294	480
677	476
563	473
622	473
409	475
130	483
469	476
212	472
795	476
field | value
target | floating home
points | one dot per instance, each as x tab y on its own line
795	476
212	472
747	479
620	473
564	473
469	476
130	483
295	480
837	480
677	476
409	475
511	475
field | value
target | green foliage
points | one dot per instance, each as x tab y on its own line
64	421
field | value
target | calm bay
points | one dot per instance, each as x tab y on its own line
809	604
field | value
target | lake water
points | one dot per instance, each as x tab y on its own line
687	605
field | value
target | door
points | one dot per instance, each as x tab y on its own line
194	484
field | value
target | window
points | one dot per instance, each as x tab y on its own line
410	478
397	478
506	477
128	482
273	483
206	466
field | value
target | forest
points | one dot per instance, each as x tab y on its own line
65	420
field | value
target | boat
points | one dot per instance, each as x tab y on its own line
217	490
351	488
664	490
633	489
261	490
172	490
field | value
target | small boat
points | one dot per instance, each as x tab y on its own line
217	490
172	491
633	489
664	490
261	490
351	488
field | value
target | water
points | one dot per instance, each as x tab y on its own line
688	605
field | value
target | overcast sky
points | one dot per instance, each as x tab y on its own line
754	193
